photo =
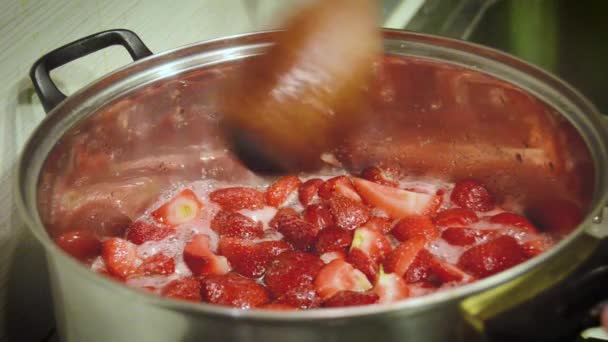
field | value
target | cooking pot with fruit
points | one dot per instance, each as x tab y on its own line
464	139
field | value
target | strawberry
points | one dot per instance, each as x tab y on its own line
308	190
120	257
492	257
372	243
248	258
333	239
290	270
234	290
319	215
402	257
180	209
415	225
140	232
277	307
447	272
300	233
397	203
363	263
421	268
338	186
351	298
201	260
390	287
380	224
283	215
232	224
459	236
512	219
537	245
470	194
556	217
377	175
331	256
302	297
456	217
81	244
238	198
430	269
185	289
348	214
157	264
338	276
279	192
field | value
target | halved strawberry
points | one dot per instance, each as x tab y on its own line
351	298
339	186
456	217
377	175
333	239
300	233
234	290
319	215
277	307
363	263
372	243
492	257
185	289
238	198
157	264
512	219
201	260
470	194
283	215
415	225
421	268
302	297
348	214
248	258
140	232
460	236
390	287
308	190
447	272
120	257
182	208
402	257
290	270
331	256
233	224
81	244
397	203
380	224
338	276
280	190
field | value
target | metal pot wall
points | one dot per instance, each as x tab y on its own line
445	108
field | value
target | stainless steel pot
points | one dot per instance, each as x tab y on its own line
444	108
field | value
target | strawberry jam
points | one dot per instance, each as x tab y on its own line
315	241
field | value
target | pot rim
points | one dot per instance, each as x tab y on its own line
427	302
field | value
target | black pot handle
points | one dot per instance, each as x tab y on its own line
50	96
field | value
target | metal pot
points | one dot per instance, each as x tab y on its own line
445	108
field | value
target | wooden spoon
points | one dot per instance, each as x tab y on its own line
285	108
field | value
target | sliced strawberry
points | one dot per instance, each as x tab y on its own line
308	190
447	272
120	257
140	232
157	264
348	214
421	268
390	287
290	270
415	225
280	190
277	307
238	198
300	233
380	224
363	263
180	209
402	257
351	298
556	217
185	289
456	217
339	186
248	258
283	215
459	236
333	239
372	243
302	297
397	203
331	256
201	260
377	175
234	290
232	224
512	219
319	215
81	244
470	194
338	276
492	257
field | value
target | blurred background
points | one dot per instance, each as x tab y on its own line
567	38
